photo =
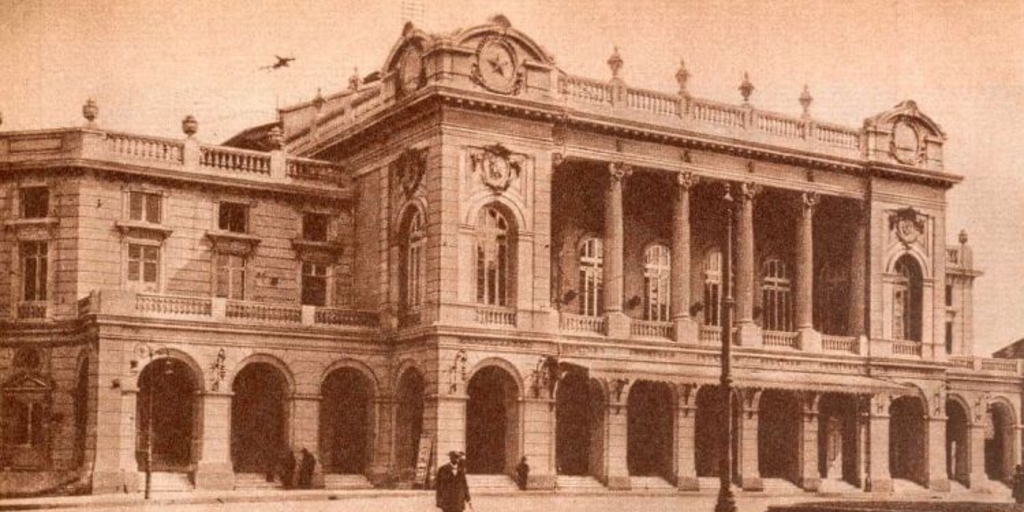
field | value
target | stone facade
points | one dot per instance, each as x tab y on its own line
478	251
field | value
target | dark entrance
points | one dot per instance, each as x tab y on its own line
345	433
258	418
579	407
957	462
491	418
708	439
409	422
167	389
999	442
778	435
837	438
907	438
649	429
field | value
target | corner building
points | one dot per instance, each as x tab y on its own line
476	250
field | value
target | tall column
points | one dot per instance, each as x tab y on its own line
214	471
685	438
539	440
938	479
749	333
879	479
686	328
858	276
382	422
617	437
978	480
810	340
810	478
748	466
618	322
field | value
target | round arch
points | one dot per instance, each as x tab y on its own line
347	416
1000	440
406	213
261	388
410	388
195	369
913	253
512	210
168	414
352	364
958	426
908	433
492	420
263	358
502	363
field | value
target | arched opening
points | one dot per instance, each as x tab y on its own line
708	438
492	414
409	422
166	412
412	269
957	453
999	445
837	437
649	429
578	420
907	437
81	404
778	435
258	418
906	300
345	411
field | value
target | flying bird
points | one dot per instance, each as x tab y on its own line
282	62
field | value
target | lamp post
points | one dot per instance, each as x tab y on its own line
726	502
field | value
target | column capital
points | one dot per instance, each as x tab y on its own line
619	171
686	180
749	190
809	200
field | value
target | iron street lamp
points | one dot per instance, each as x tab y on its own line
726	502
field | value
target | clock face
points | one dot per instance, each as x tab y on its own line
410	70
905	144
496	65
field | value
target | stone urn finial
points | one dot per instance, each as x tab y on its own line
90	110
805	101
682	76
746	88
354	81
962	238
318	100
189	125
615	63
276	137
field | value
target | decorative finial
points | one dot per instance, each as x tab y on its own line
501	20
354	81
615	63
682	76
90	110
318	100
805	101
189	125
276	137
962	238
746	88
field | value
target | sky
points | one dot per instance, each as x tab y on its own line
149	63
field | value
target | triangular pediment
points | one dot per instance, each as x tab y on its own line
26	382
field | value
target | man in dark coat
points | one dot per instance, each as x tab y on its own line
306	468
522	473
452	489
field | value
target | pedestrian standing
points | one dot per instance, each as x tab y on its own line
522	473
1018	484
452	489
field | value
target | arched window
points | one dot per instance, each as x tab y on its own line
657	272
413	246
906	303
712	272
591	269
831	304
493	258
776	296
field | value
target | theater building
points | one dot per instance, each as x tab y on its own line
475	250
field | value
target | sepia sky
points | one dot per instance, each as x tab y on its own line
150	62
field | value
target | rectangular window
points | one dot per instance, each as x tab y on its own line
314	227
35	202
34	270
314	284
949	295
949	337
143	206
144	265
233	217
230	276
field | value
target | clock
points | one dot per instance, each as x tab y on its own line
905	145
410	70
496	68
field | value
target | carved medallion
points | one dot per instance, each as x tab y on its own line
496	167
410	70
906	145
409	169
908	225
496	67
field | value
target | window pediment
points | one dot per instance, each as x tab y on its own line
41	228
26	383
227	242
317	251
143	230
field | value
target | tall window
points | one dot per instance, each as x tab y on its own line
314	284
144	207
657	274
591	276
412	268
35	202
33	270
144	266
230	276
493	252
906	315
832	301
712	270
233	217
776	296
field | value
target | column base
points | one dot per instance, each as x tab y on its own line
978	482
214	476
618	324
687	331
115	482
879	485
687	483
749	334
810	340
939	485
810	484
751	483
618	483
541	482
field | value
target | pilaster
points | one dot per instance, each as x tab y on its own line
685	326
539	441
748	466
685	438
879	479
810	478
938	480
978	480
214	471
616	440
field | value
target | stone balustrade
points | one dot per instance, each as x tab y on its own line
987	364
582	323
495	316
906	348
651	329
781	339
831	343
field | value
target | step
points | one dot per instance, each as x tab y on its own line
836	486
502	482
955	486
779	486
170	482
340	482
650	483
255	481
900	485
579	483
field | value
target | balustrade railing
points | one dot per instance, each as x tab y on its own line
173	305
334	316
775	124
831	343
586	90
781	339
710	335
264	312
837	136
906	348
495	316
654	102
149	148
235	160
315	170
965	363
581	323
32	310
650	329
999	365
720	114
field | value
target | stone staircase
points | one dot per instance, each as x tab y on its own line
335	482
836	486
165	482
570	483
650	483
490	483
255	481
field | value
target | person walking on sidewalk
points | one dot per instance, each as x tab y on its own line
452	489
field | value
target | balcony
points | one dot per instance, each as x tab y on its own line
496	316
586	324
32	311
210	309
782	339
651	329
846	344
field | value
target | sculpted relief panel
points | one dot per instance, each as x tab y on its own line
496	172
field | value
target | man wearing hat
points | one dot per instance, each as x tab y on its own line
452	489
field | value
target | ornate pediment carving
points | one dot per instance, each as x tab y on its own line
409	170
908	225
227	242
497	167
